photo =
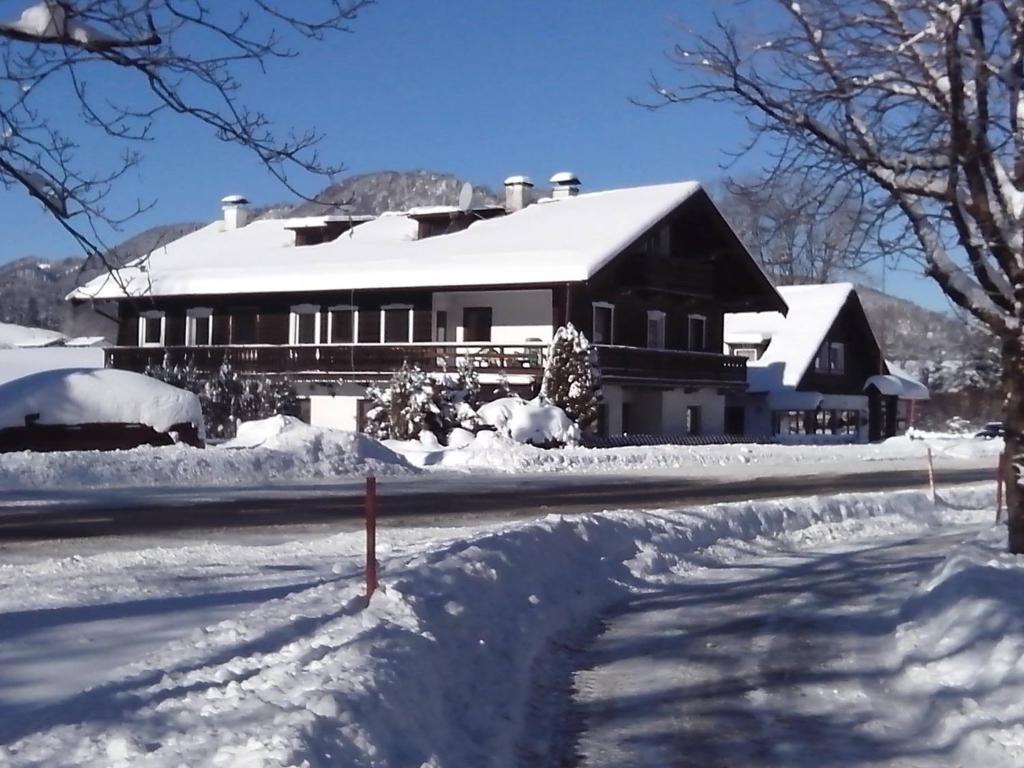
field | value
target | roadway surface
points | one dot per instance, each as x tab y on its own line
404	503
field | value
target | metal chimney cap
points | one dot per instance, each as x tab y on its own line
565	179
234	200
526	181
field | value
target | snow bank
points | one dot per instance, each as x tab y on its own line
435	672
490	452
274	450
961	645
97	396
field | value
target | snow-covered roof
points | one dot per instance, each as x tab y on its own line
97	396
565	240
20	337
795	338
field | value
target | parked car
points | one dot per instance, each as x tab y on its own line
991	430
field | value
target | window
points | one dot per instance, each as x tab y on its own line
476	323
655	329
304	326
831	358
151	329
693	420
199	327
243	325
441	325
604	323
751	353
697	333
342	324
396	324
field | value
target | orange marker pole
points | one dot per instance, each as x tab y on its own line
931	473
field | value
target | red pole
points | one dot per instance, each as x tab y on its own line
1000	476
371	536
931	473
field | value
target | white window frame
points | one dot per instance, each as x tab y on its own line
689	332
593	320
660	317
330	322
293	324
383	322
152	314
190	327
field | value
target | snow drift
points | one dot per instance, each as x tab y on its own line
435	672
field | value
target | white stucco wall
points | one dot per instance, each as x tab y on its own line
334	412
516	315
712	410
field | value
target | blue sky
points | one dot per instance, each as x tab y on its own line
480	89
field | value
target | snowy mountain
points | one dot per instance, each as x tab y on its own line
32	289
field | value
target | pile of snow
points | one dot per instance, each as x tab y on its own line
97	396
529	421
275	450
437	671
961	643
491	452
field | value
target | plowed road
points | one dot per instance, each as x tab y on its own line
455	501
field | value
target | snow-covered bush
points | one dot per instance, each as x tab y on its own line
536	422
413	403
572	380
404	407
228	397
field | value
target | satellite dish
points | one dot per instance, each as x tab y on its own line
466	197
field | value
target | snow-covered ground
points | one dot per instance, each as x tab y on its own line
261	653
284	451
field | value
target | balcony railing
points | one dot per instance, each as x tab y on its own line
366	360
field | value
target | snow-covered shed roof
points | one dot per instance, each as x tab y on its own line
794	339
565	240
21	337
97	396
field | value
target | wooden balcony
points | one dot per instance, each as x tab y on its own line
375	361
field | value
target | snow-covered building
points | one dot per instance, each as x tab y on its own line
818	370
25	350
339	301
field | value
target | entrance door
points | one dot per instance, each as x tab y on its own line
735	420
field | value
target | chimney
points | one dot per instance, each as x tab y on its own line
517	193
566	184
236	213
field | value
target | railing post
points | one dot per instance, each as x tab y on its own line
371	536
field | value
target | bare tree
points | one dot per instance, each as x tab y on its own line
80	79
800	233
921	101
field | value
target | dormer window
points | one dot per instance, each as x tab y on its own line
314	230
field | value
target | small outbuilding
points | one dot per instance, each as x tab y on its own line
81	409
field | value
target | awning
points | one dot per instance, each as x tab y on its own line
895	385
